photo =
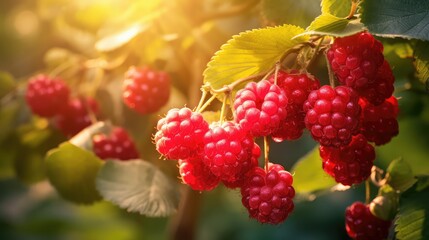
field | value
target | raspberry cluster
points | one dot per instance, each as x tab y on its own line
117	145
361	224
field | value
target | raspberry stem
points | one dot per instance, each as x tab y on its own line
207	103
330	72
203	97
223	109
352	9
367	191
376	176
266	152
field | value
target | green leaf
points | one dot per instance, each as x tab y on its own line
401	47
339	8
327	24
138	186
422	183
400	176
421	55
413	222
250	53
72	171
8	115
7	83
385	205
309	175
397	18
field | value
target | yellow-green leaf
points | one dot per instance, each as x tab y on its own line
328	24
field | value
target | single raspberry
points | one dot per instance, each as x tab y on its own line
332	115
180	134
118	145
362	225
260	107
382	89
268	196
296	86
74	117
197	175
349	164
379	123
227	150
46	96
247	166
145	90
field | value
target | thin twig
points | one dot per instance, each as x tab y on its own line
367	192
266	152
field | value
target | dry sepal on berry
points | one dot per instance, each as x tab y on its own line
46	96
268	195
197	175
296	86
180	134
349	164
260	108
117	145
362	225
146	90
227	150
379	123
332	115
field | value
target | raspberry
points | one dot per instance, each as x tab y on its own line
197	175
227	150
260	108
332	115
378	123
180	134
382	89
145	90
349	164
296	87
74	117
46	96
118	145
268	196
362	225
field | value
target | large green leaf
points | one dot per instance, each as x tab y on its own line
138	186
400	176
402	18
72	171
413	217
327	24
250	53
309	175
421	62
339	8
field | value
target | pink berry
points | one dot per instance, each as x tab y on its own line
197	175
117	145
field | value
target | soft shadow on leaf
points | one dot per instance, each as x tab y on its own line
327	24
400	175
338	8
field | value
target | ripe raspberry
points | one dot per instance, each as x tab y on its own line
197	175
260	107
378	123
227	150
349	164
332	115
268	196
145	90
74	117
46	96
296	86
118	145
362	225
180	134
382	89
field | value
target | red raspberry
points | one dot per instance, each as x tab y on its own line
378	123
349	164
74	117
180	134
260	107
332	115
362	225
382	89
145	90
227	150
46	96
118	145
296	86
268	196
197	175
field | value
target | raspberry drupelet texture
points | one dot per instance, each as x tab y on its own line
146	90
46	96
362	225
379	123
382	89
117	145
180	134
75	116
349	164
296	86
260	108
228	150
268	195
332	115
197	175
